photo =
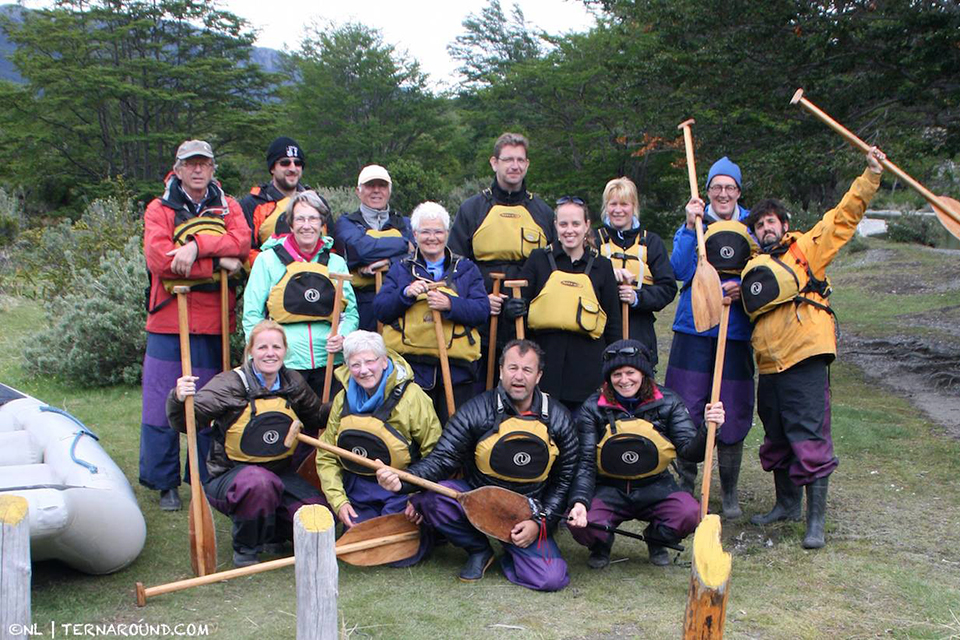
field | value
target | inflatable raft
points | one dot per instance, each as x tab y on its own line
82	509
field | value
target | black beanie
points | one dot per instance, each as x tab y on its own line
626	353
283	147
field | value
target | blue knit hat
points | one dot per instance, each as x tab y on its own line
725	167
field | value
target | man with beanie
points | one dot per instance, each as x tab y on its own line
371	237
795	341
629	431
499	227
285	161
692	353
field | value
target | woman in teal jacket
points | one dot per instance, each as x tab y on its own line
289	283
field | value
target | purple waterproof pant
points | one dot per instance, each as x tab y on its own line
679	513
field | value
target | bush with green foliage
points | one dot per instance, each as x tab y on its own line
340	199
9	218
96	335
915	228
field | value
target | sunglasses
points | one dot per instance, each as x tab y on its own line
628	352
574	199
286	162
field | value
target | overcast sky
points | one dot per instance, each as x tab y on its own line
424	28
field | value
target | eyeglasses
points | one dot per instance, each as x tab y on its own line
520	161
574	199
431	233
197	164
286	162
307	219
627	352
720	188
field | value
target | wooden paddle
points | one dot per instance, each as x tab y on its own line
515	286
444	359
378	278
714	397
705	291
203	537
373	542
339	278
224	319
947	209
492	348
494	511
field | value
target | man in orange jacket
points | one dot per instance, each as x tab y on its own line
784	291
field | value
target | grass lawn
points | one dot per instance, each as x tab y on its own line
891	566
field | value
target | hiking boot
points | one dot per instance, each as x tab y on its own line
476	565
600	554
816	513
686	473
170	500
789	497
275	548
659	556
729	457
241	559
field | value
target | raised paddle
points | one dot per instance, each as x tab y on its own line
203	537
947	209
339	278
372	542
636	536
515	286
494	511
705	291
714	397
492	348
444	359
224	319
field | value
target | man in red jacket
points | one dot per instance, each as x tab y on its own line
191	233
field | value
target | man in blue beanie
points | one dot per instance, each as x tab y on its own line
692	354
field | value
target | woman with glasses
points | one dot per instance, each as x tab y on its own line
290	283
573	310
640	262
692	353
630	430
405	305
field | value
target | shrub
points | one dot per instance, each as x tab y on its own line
341	199
9	218
96	333
412	184
915	228
457	195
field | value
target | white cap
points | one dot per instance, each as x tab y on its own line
373	172
192	148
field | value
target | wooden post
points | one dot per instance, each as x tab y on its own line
316	569
709	583
15	567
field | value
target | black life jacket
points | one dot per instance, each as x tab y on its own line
305	293
370	435
257	435
729	246
519	448
632	448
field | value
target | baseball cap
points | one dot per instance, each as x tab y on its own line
373	172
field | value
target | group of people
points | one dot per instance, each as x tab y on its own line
575	421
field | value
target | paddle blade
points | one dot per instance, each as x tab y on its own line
308	470
706	296
375	528
495	510
209	544
951	223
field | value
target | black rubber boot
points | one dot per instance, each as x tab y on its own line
816	513
687	472
600	554
729	457
476	565
789	497
659	556
170	500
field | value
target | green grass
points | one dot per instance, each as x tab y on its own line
890	566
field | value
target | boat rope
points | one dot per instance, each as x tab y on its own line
84	430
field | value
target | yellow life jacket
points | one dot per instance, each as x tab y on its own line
370	435
209	223
729	246
256	437
304	293
362	280
631	449
633	257
568	302
780	276
275	222
519	448
413	334
507	234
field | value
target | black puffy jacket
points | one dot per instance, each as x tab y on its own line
473	420
668	415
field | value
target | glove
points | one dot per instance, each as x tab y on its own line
514	308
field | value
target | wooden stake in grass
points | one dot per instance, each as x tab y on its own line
317	573
709	583
15	568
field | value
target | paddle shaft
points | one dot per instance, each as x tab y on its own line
444	359
334	327
197	498
378	279
180	585
225	319
694	191
515	287
850	137
492	347
714	397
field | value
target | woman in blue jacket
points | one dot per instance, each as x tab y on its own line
406	303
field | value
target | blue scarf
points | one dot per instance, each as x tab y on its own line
359	401
435	268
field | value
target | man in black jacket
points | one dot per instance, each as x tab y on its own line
480	439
